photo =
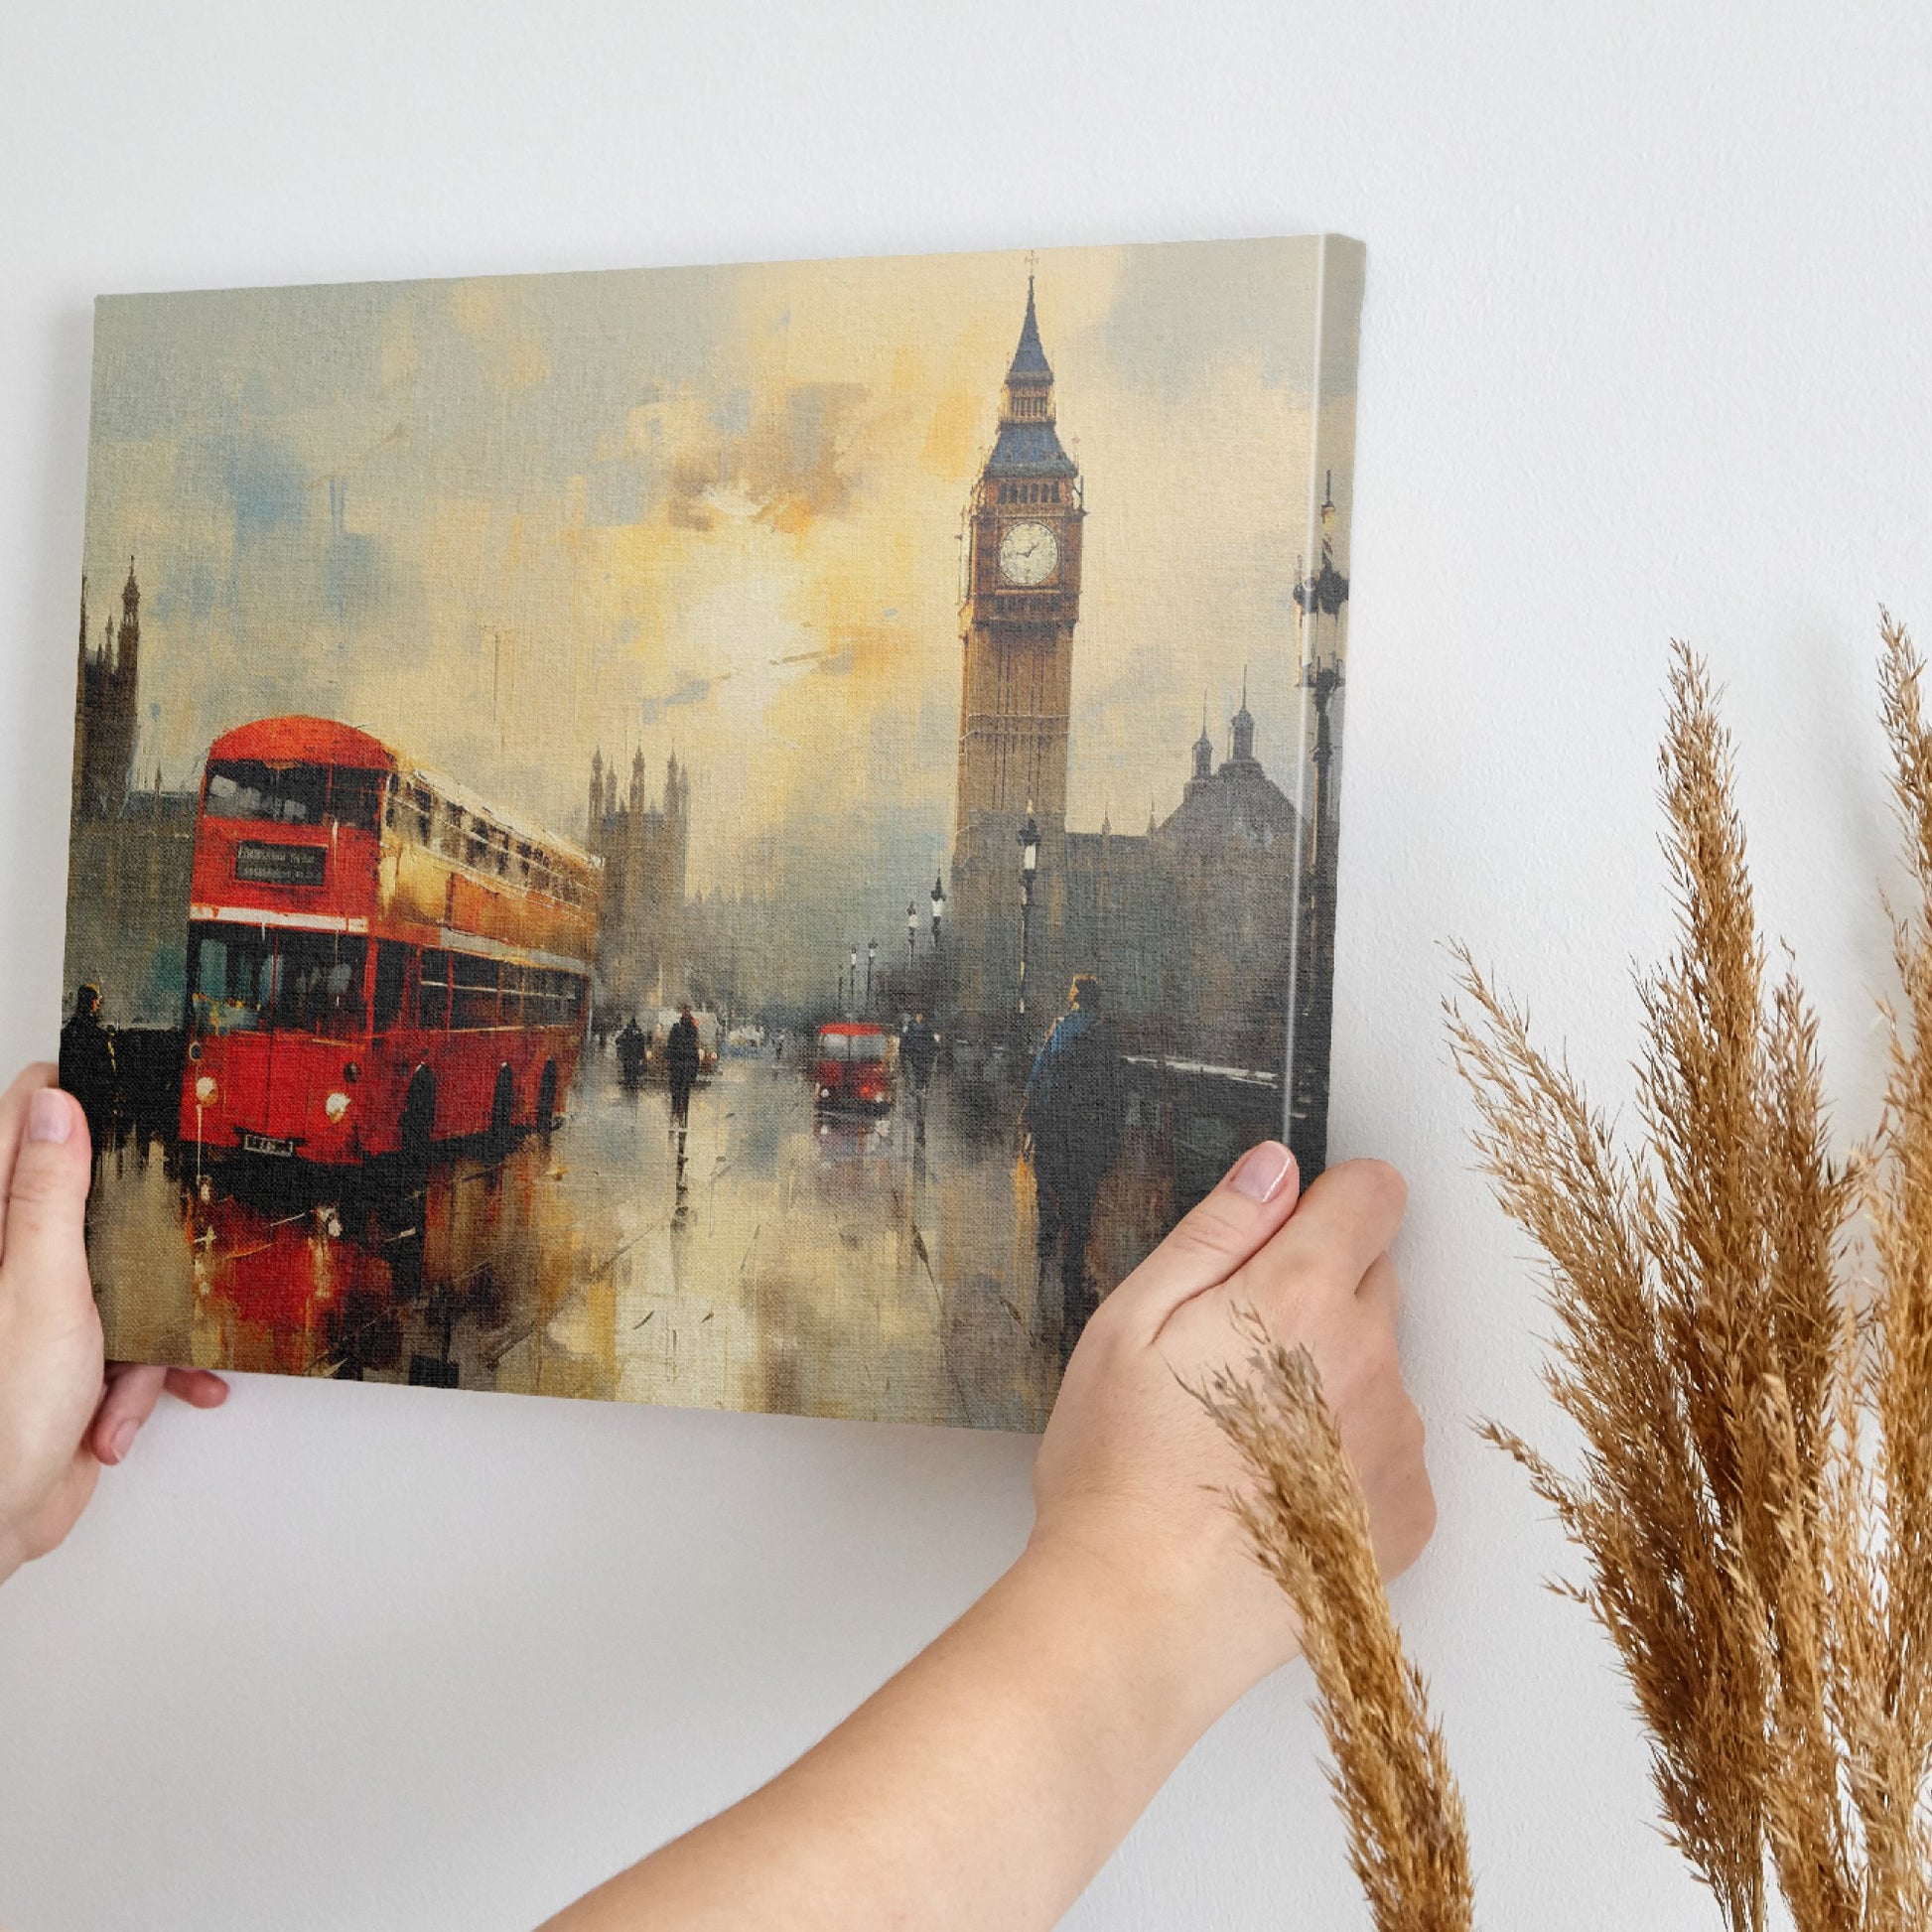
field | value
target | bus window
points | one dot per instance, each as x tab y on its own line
433	991
391	967
449	829
229	978
319	982
475	841
420	816
509	1009
472	999
286	795
355	797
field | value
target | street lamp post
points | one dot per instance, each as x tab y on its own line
1028	837
872	953
855	983
938	910
912	940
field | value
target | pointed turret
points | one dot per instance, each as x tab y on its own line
127	658
1204	747
1241	726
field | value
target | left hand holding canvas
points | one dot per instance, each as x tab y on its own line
64	1411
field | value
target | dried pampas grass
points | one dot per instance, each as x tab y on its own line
1308	1525
1755	1499
1754	1390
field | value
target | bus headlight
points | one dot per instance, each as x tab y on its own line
335	1106
205	1090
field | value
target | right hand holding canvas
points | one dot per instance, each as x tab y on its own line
1045	1720
63	1410
1132	1476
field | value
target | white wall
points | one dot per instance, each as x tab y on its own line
1643	355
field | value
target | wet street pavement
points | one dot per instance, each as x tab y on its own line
820	1266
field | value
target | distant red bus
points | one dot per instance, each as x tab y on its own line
852	1067
376	960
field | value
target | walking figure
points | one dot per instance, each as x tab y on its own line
631	1052
919	1052
88	1068
1074	1114
682	1061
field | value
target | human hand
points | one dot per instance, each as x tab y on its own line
63	1411
1130	1478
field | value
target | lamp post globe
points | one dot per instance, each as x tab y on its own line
938	909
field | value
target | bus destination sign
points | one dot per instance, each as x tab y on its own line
256	864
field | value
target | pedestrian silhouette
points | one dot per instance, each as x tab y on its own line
1074	1113
682	1061
88	1064
919	1052
630	1051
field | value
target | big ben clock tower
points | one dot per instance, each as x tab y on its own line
1022	600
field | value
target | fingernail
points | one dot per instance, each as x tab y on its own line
1262	1170
122	1439
48	1117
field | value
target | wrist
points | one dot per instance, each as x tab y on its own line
1144	1626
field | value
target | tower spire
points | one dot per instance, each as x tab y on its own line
1028	357
1241	727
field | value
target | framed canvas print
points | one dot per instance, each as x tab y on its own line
739	836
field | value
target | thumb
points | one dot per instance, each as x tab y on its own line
43	1246
1237	1219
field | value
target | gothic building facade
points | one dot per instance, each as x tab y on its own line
107	707
131	846
1191	925
645	845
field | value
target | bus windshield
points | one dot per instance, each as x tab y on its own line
852	1046
250	979
293	795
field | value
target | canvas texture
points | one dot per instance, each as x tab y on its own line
747	837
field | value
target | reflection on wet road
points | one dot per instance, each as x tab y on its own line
844	1269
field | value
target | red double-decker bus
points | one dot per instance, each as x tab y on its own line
376	960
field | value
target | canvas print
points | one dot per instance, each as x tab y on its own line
744	836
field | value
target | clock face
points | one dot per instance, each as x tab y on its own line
1030	553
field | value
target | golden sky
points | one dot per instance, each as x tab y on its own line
509	521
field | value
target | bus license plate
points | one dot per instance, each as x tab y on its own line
265	1143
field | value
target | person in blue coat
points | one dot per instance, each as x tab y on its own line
1074	1114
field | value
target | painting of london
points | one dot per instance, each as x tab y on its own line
746	835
